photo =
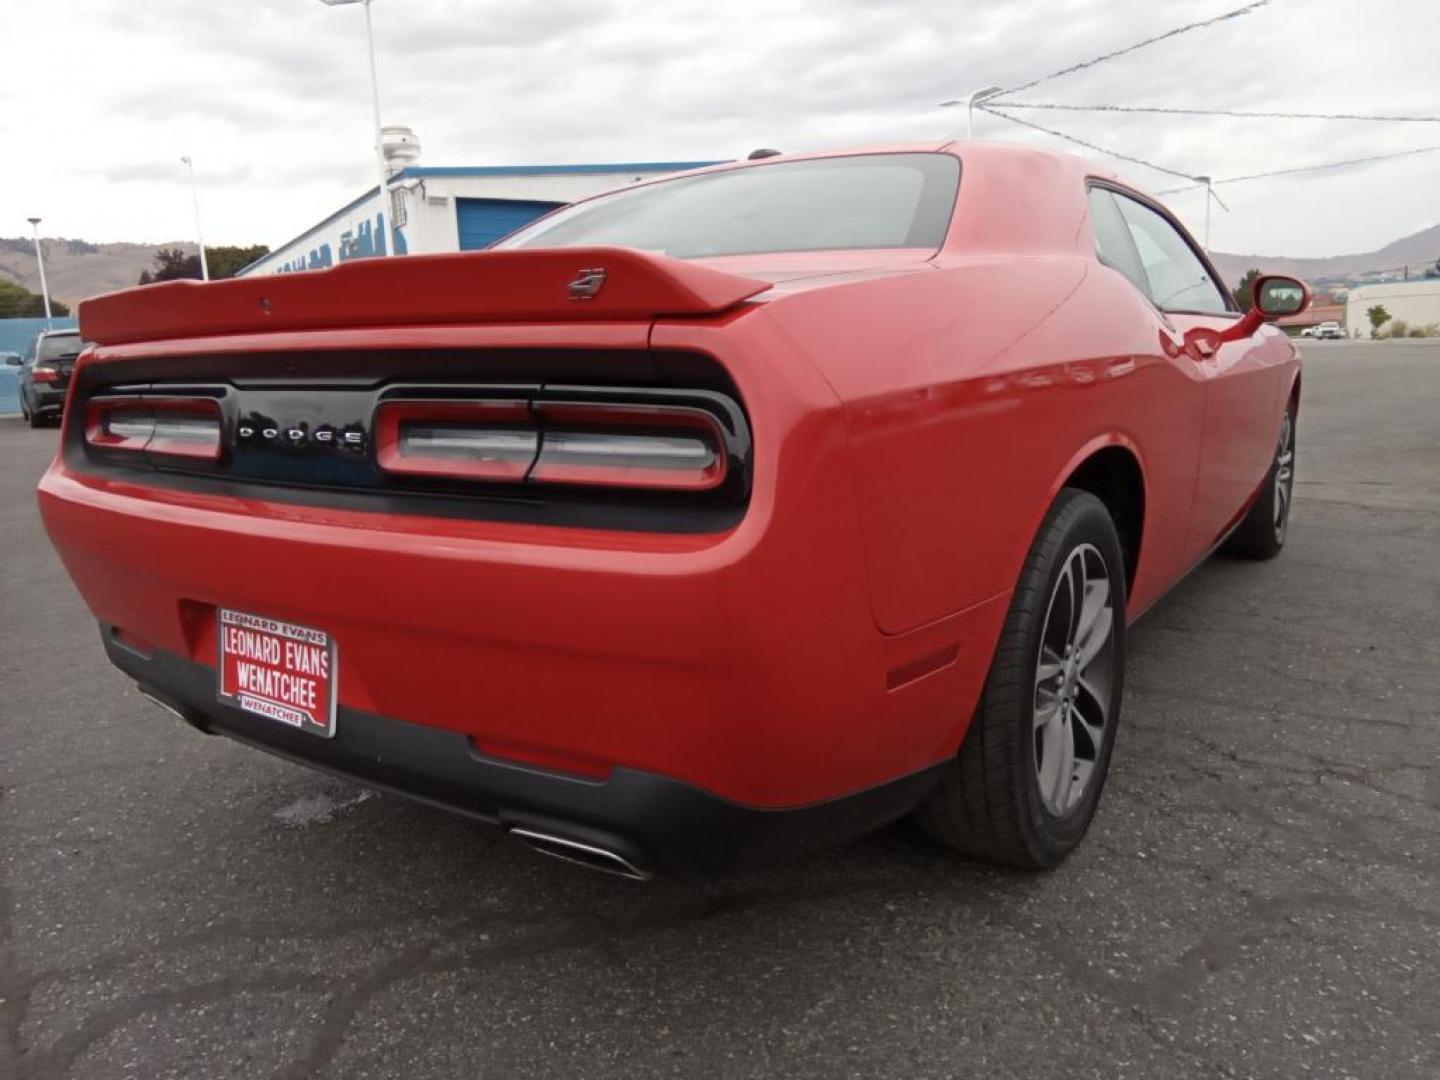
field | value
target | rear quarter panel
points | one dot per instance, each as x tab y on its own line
970	392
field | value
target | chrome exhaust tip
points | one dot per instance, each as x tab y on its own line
581	853
174	710
171	709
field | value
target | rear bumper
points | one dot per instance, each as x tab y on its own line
654	823
47	399
746	664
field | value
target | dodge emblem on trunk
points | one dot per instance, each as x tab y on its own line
587	283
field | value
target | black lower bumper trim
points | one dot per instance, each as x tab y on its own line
653	822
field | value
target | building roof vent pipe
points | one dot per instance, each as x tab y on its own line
401	147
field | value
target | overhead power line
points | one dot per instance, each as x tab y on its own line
1306	168
1187	187
1140	45
1197	181
1245	114
1088	145
1331	165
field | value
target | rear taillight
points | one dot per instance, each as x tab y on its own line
179	427
621	445
471	440
43	374
610	444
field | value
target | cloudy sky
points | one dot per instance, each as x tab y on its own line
100	98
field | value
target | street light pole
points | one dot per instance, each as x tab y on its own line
199	235
1208	193
384	180
40	258
1209	196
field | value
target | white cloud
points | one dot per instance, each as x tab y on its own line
271	98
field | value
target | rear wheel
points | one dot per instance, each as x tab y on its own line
1261	533
34	418
1028	777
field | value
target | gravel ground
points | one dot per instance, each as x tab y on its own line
1258	895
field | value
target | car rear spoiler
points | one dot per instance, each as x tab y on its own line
543	285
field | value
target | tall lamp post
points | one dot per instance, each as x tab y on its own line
1209	196
385	238
40	258
199	235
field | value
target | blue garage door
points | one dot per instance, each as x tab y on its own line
483	221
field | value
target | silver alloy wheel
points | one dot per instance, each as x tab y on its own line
1284	475
1074	679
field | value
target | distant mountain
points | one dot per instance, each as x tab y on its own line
1418	251
76	269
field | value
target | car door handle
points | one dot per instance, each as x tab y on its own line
1201	343
1171	344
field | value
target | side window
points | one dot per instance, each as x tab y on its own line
1113	245
1178	279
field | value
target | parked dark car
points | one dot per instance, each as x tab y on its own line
45	374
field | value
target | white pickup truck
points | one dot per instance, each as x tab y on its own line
1325	330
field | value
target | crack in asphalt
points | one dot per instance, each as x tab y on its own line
14	988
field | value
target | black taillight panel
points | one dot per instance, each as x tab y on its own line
630	456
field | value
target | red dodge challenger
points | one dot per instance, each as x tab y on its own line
720	518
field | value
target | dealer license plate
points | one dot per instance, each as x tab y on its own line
278	670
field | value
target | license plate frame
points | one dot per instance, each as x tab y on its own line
278	670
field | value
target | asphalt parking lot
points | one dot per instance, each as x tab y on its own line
1259	896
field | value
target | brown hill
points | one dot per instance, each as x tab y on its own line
1418	251
76	269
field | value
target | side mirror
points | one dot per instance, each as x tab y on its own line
1273	296
1276	296
12	360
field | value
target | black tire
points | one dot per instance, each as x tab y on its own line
1261	533
989	803
35	419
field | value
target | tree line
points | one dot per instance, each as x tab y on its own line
18	302
172	264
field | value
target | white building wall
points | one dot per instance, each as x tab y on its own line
1415	302
351	232
431	226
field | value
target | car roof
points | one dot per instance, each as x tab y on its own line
981	153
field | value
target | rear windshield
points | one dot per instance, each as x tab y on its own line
58	346
864	201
